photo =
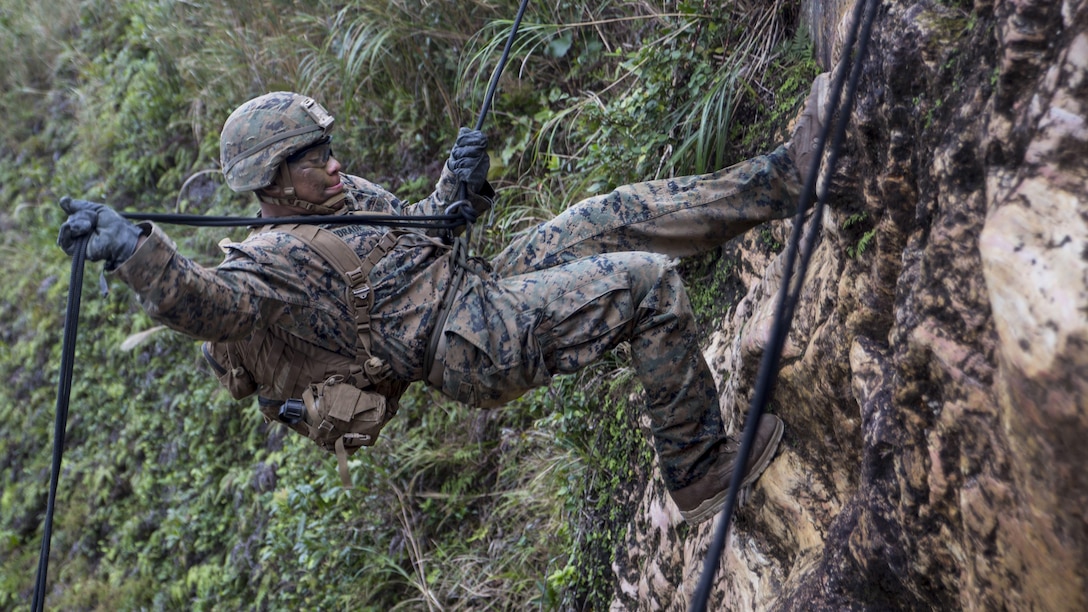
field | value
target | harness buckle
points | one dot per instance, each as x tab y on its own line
355	276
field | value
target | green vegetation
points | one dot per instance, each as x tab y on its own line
175	497
857	221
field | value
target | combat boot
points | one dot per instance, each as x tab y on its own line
802	144
706	497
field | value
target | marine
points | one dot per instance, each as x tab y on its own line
329	324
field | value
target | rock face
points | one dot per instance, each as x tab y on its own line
935	381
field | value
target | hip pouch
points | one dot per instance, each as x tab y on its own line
338	416
226	361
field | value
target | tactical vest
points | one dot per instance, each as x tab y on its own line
338	402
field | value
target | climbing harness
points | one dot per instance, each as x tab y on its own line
863	17
458	214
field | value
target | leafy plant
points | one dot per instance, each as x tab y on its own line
862	244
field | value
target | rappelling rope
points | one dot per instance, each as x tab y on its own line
787	299
64	390
442	222
500	66
460	198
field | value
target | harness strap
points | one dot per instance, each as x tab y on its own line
356	273
342	462
329	207
436	346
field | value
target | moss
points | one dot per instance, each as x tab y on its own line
617	455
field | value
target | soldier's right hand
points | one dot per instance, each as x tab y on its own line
113	238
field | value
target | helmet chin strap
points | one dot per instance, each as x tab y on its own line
328	207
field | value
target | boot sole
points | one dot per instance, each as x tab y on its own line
714	505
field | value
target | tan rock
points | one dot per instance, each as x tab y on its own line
934	386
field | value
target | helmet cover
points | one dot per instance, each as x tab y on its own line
260	134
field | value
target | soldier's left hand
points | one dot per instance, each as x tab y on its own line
469	160
113	238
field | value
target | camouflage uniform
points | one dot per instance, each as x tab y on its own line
599	273
556	299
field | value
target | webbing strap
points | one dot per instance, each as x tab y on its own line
342	462
356	271
330	206
431	357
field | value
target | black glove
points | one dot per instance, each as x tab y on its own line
113	238
469	160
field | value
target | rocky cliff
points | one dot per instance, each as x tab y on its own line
935	381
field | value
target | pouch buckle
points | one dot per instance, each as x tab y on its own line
291	412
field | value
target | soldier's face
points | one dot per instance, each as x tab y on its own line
316	174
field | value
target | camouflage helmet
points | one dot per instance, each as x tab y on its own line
260	134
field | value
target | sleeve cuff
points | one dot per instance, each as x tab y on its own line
150	259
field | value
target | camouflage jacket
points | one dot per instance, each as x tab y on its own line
274	279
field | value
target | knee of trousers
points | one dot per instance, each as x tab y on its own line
658	289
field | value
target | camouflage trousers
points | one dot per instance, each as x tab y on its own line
567	292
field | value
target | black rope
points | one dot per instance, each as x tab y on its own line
448	221
64	389
460	200
501	65
787	298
